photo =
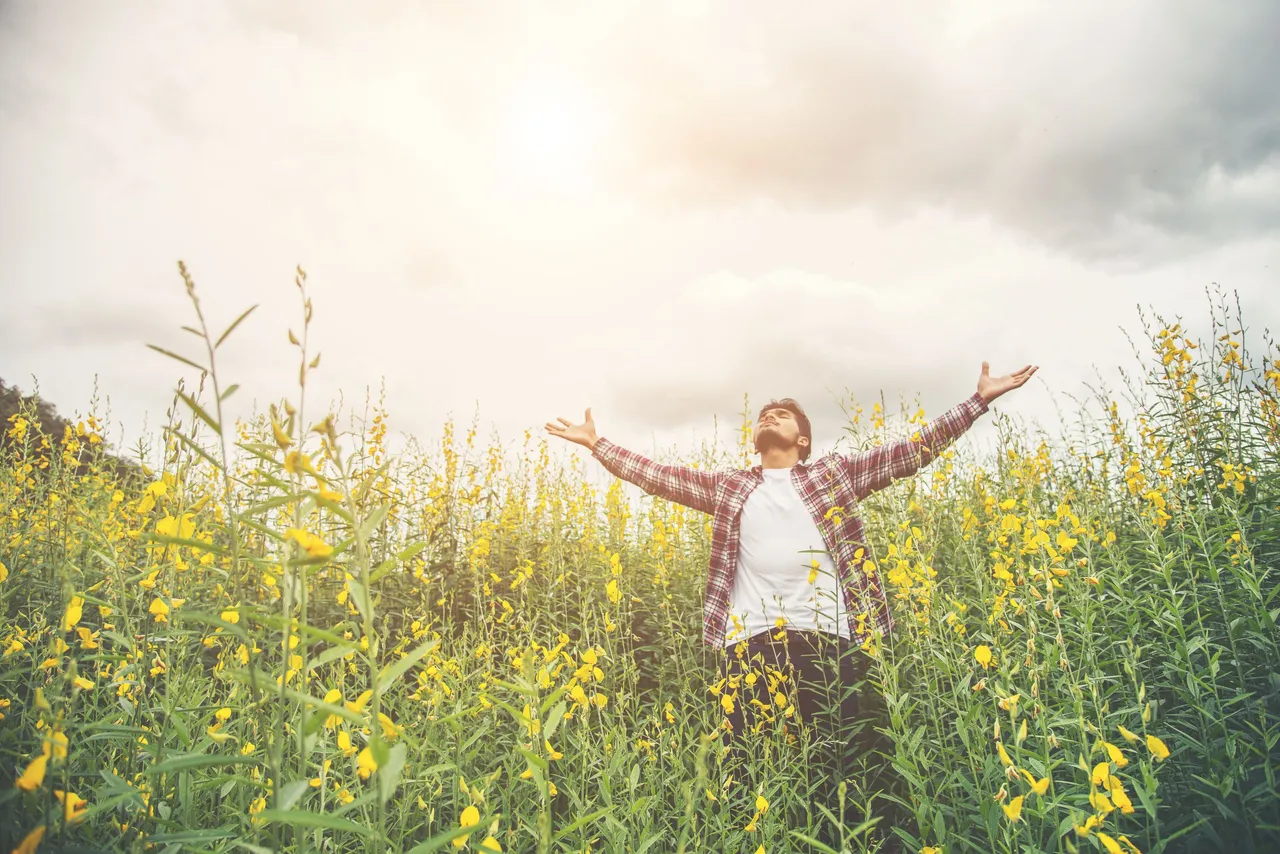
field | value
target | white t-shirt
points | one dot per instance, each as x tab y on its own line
776	532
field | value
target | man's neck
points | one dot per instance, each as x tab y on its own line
777	459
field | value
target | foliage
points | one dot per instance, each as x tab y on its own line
290	639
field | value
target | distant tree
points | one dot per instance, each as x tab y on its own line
46	419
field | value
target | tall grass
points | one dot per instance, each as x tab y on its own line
290	639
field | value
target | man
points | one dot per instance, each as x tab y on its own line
787	560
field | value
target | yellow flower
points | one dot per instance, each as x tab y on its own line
1038	786
366	764
1118	796
223	714
1157	748
1110	844
82	683
930	849
310	543
1114	753
983	655
231	616
1131	846
248	748
1100	802
159	610
33	776
762	805
1128	736
281	437
72	616
1101	774
726	702
359	703
1090	823
470	818
296	462
1013	809
490	844
30	842
183	528
1004	756
75	806
612	589
57	744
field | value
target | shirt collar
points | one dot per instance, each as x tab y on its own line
757	469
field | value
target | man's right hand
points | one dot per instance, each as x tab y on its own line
583	434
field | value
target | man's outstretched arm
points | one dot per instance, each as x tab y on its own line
877	468
681	484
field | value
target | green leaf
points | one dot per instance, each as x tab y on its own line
445	837
231	389
586	819
223	337
389	773
374	519
333	652
393	671
557	715
291	792
301	818
306	699
358	593
197	760
193	447
385	567
181	359
200	413
195	835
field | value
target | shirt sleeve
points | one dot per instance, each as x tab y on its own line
688	486
877	468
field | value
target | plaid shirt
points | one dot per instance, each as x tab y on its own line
829	488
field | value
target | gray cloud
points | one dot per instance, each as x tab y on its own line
1125	135
848	199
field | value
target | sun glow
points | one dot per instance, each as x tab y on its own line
553	134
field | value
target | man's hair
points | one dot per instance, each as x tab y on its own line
793	407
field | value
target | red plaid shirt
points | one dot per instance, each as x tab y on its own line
829	487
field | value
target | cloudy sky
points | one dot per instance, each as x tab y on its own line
652	209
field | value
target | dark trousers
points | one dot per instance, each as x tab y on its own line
832	705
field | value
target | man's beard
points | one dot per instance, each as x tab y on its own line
769	440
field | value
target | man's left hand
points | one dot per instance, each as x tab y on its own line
990	387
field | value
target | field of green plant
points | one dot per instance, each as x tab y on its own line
287	638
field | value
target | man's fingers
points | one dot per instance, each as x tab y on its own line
564	421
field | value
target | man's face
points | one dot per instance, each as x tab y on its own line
778	428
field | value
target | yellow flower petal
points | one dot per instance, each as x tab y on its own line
31	778
1110	844
1115	755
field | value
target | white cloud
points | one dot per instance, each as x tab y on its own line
929	192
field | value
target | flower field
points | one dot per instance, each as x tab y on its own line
288	638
